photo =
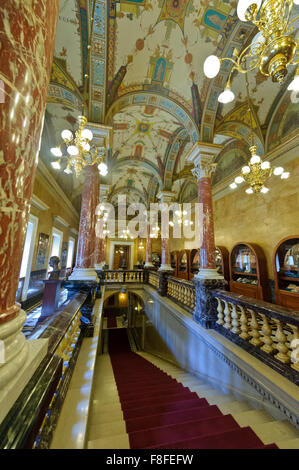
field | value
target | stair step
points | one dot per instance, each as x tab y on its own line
158	393
234	407
288	444
100	429
173	433
120	441
250	417
243	438
176	417
151	390
276	431
164	408
163	399
216	399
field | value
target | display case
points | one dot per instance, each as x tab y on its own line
222	261
194	262
174	256
286	272
248	271
183	264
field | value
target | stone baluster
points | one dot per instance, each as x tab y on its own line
220	316
235	319
227	317
295	348
244	324
266	339
254	332
281	344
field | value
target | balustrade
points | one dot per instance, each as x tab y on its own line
153	279
123	276
182	291
273	331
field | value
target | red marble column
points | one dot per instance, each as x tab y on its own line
85	259
27	36
207	249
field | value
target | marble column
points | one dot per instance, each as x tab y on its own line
100	245
85	259
148	260
203	156
27	36
165	198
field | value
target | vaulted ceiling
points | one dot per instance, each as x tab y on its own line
146	81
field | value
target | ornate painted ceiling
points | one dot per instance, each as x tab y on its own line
146	81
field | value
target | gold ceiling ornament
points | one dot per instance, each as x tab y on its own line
257	172
79	152
273	49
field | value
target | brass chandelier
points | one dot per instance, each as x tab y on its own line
79	152
257	172
273	49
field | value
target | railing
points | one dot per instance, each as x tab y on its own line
153	279
182	292
136	276
267	331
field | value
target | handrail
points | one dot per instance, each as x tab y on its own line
153	279
267	331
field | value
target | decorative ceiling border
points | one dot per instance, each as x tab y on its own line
62	88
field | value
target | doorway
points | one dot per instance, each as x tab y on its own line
121	258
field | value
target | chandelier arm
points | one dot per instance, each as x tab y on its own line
293	20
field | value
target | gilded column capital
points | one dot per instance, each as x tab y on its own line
204	168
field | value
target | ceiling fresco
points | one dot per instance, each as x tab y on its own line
146	80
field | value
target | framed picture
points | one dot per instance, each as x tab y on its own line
64	254
42	248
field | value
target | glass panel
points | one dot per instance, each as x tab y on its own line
26	251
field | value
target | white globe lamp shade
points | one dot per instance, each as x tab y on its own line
56	152
285	175
296	2
265	165
249	191
255	159
243	5
102	169
233	185
72	150
227	96
56	165
66	135
87	134
211	66
294	85
264	190
245	169
239	179
278	171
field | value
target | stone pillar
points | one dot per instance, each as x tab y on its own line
100	248
85	259
205	312
148	263
27	36
203	155
165	198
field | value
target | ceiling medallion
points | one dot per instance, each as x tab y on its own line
273	49
79	152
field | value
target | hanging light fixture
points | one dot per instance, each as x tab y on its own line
273	49
77	149
257	172
78	152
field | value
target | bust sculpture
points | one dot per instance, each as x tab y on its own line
54	263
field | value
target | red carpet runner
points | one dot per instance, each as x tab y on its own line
162	414
111	320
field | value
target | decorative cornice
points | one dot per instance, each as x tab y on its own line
38	204
60	221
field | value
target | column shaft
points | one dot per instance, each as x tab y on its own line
207	249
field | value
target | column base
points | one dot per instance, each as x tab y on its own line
208	274
100	266
166	267
37	350
84	274
149	265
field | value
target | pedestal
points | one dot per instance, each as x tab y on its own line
50	297
205	312
163	277
74	286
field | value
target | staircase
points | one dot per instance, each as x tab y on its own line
141	401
